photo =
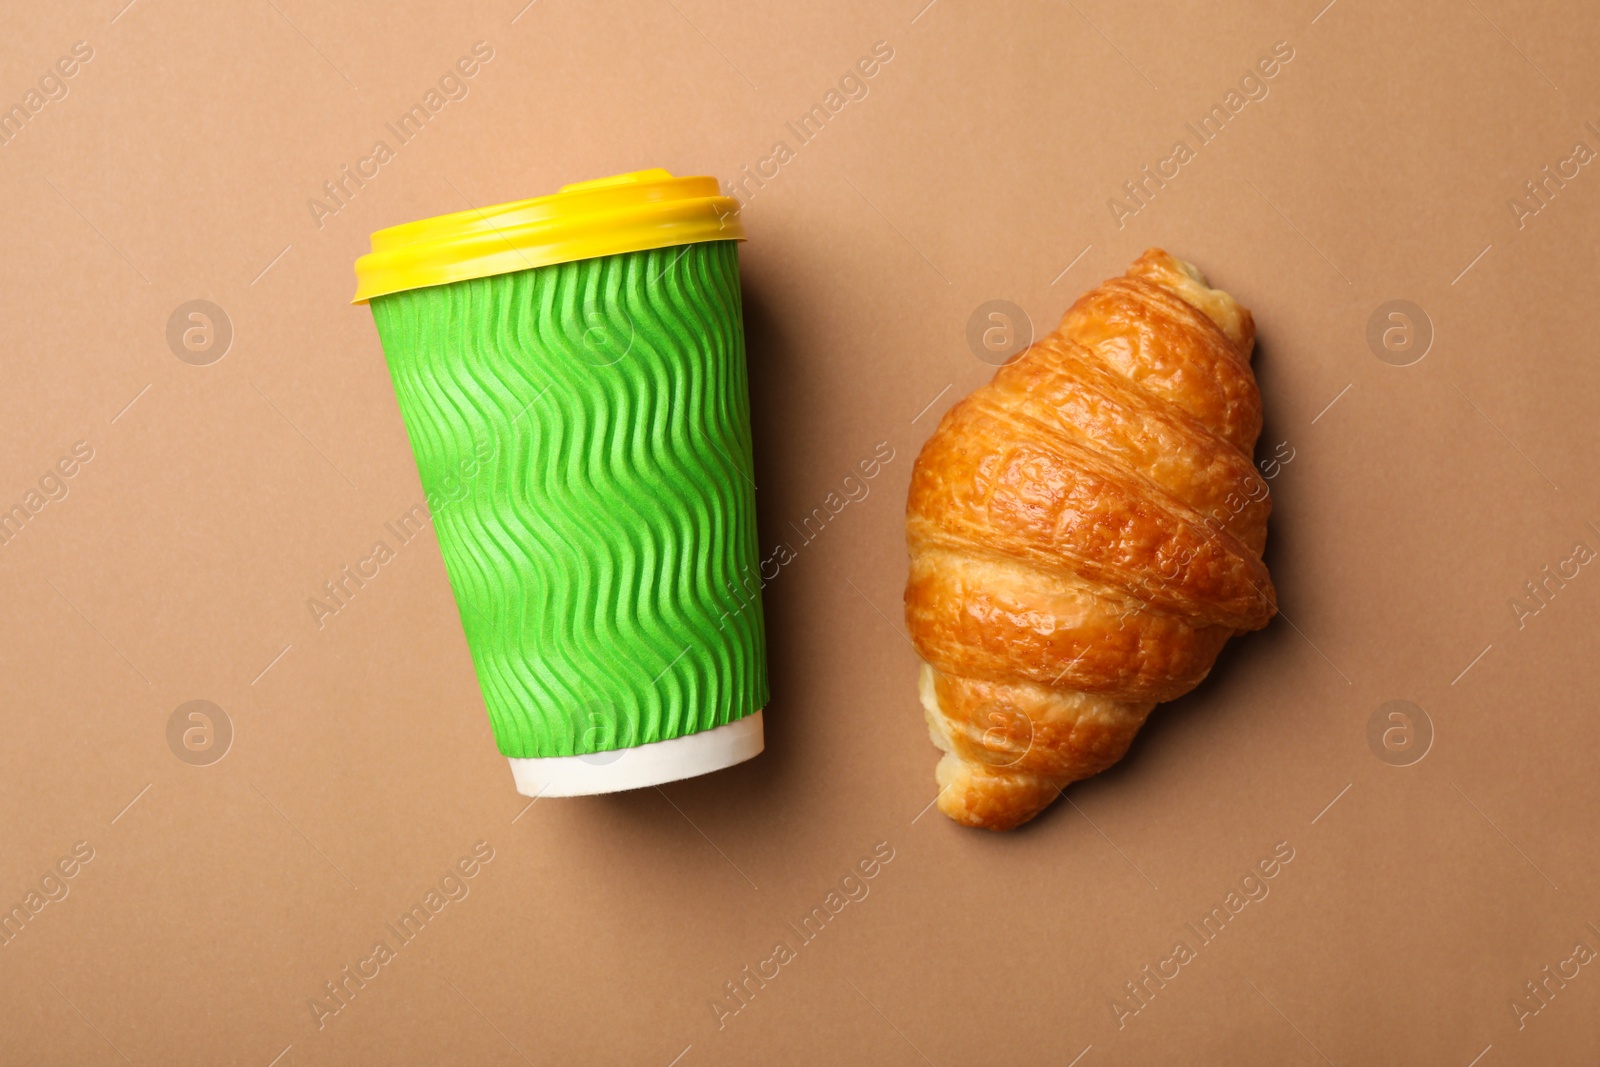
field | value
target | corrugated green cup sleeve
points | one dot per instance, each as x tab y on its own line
582	432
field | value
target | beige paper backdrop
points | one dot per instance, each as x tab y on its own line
217	481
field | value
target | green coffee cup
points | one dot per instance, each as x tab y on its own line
571	373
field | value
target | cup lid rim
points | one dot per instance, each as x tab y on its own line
631	212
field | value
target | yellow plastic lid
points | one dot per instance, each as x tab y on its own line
624	213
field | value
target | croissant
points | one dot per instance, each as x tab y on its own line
1085	533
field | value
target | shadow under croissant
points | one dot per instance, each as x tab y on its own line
1162	720
1236	656
1273	434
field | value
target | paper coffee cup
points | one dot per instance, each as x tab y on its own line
571	373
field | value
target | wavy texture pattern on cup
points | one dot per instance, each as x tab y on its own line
604	557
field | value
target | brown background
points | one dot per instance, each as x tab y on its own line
222	897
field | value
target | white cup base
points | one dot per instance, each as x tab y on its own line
642	765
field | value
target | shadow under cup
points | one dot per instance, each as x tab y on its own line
582	432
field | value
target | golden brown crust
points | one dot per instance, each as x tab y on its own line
1081	401
1085	534
1011	748
980	617
1172	351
